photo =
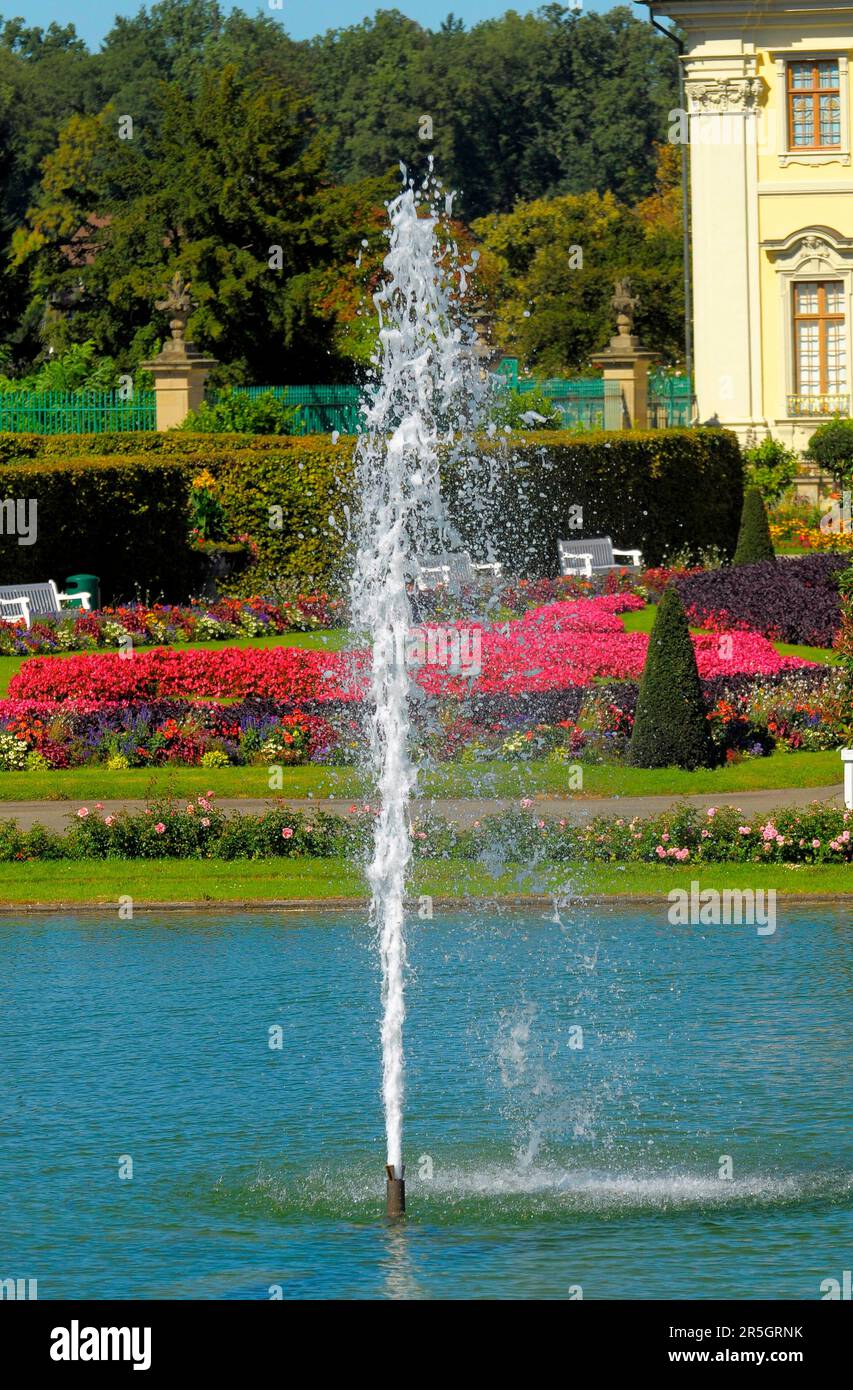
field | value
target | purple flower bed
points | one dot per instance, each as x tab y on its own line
793	599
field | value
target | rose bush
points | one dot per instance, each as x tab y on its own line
196	829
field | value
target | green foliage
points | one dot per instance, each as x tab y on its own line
226	161
670	726
523	106
549	268
518	410
122	519
753	542
655	490
230	190
831	446
771	467
78	368
236	413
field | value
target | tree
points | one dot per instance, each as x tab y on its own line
230	190
553	263
753	542
671	726
771	467
831	446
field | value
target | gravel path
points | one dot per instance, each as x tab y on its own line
54	814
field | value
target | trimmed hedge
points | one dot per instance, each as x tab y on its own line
753	543
670	726
124	520
657	490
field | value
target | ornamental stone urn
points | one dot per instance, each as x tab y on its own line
179	371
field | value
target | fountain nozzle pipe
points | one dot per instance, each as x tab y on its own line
395	1192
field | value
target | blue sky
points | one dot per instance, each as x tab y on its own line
93	18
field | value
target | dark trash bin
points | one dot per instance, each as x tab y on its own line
84	584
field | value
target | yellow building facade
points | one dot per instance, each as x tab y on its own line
768	120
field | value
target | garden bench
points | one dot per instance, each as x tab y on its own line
585	558
447	568
35	601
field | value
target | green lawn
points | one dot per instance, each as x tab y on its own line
171	880
498	779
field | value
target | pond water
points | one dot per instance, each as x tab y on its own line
573	1091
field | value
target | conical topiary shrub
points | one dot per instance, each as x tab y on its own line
670	727
753	542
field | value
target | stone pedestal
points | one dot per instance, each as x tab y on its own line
179	381
626	362
179	371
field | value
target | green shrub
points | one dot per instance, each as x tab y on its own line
670	725
831	446
125	520
128	521
753	542
238	413
772	468
511	407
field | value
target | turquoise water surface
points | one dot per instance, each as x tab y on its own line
574	1089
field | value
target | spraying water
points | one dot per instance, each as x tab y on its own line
421	393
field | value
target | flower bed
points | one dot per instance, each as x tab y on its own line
550	649
35	735
818	834
792	599
286	674
148	624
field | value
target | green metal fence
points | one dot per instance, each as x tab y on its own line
322	409
75	412
590	402
670	401
597	403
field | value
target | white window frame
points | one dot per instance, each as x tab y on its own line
816	253
839	154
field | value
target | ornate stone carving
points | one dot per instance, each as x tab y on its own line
624	302
723	95
179	304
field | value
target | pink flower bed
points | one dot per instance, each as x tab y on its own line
550	648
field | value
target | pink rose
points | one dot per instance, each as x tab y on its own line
160	827
287	833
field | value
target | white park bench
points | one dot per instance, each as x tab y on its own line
584	558
30	601
447	568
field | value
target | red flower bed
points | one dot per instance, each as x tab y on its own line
286	674
550	648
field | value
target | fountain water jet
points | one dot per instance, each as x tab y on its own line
422	392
